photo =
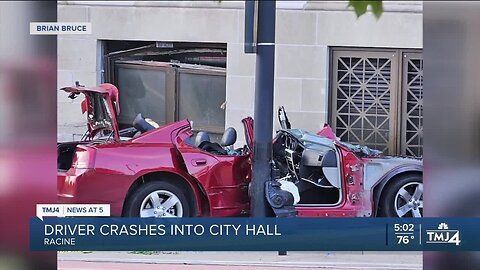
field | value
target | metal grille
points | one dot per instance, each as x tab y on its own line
363	102
412	130
377	99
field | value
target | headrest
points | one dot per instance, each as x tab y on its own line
202	136
229	137
141	124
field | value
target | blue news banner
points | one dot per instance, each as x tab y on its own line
255	234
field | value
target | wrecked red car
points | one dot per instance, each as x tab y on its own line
168	171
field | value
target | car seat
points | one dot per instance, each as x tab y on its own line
141	124
229	137
201	137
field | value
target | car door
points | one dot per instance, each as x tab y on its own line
352	202
224	178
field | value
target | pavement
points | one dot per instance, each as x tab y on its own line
114	260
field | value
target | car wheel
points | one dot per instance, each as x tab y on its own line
158	199
403	198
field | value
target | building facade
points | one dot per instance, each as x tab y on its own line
363	75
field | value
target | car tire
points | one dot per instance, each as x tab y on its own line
151	200
402	197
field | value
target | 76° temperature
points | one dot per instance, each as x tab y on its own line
404	239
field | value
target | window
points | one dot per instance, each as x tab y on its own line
200	99
167	92
377	98
142	91
169	81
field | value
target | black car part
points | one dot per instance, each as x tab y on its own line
280	200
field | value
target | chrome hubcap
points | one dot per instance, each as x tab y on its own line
161	203
409	200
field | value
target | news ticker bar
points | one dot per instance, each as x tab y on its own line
255	234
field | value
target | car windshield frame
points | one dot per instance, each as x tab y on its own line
307	137
362	150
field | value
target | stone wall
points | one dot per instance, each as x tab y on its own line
303	35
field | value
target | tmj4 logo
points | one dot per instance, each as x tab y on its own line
443	235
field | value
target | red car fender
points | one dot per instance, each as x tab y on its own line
120	168
199	195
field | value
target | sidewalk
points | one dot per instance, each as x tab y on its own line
262	260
